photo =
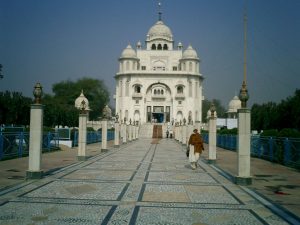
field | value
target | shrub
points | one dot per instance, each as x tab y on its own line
287	132
269	133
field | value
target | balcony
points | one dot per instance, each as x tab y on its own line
158	97
179	96
137	96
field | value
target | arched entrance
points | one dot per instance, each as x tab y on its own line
179	116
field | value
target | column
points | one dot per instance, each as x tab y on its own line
104	135
117	135
124	133
184	131
130	133
81	156
244	126
35	142
212	139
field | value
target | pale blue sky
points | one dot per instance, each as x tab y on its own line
49	41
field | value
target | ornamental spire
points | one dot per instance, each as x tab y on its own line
159	11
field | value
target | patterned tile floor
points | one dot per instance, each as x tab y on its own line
138	183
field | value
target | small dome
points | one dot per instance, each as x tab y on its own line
190	53
160	30
234	105
128	52
82	103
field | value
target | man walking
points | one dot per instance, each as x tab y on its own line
196	148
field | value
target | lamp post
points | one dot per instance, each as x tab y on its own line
36	135
82	104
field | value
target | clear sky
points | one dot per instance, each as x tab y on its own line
49	41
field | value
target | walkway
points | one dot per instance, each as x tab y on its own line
143	182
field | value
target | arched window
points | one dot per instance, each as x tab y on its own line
153	47
165	47
179	90
158	92
137	89
162	92
190	66
159	47
155	91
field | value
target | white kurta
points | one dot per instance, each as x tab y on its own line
193	157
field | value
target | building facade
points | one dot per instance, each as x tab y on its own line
158	82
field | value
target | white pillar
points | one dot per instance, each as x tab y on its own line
134	132
130	133
117	135
137	131
244	126
82	137
180	133
176	133
104	136
184	131
124	133
35	142
212	139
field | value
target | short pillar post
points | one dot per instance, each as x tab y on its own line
184	135
124	133
36	136
106	113
117	135
137	131
82	137
244	177
212	152
104	135
130	131
244	147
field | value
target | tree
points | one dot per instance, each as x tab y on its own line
277	116
65	93
14	108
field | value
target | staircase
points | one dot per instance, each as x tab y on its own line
147	130
157	131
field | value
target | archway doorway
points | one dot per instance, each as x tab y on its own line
158	117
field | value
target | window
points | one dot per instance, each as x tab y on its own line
179	102
159	47
162	92
165	47
137	89
174	68
179	90
153	47
136	101
143	67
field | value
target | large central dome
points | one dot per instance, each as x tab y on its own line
160	31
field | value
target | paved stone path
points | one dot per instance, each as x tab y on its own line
143	182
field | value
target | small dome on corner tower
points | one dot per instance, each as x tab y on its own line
128	52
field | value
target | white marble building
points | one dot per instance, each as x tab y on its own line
158	82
